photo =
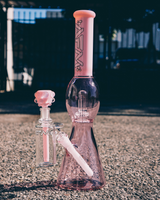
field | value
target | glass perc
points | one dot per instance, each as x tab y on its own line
82	103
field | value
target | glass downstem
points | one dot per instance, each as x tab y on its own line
45	115
45	145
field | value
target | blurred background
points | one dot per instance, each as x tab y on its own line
37	48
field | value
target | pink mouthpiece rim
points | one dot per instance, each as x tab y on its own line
44	98
84	13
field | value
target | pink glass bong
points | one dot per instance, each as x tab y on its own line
82	104
81	168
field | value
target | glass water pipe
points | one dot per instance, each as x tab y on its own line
82	103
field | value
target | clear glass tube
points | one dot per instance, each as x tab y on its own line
45	140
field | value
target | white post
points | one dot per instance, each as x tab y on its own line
10	71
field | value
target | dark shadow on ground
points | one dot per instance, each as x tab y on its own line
149	110
106	108
40	185
28	107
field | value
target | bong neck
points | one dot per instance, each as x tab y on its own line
81	129
83	43
45	113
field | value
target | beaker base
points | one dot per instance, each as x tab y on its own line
45	164
83	184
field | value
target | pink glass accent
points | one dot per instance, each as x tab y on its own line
45	145
65	142
82	103
83	42
46	148
44	98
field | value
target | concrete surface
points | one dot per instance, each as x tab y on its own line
128	140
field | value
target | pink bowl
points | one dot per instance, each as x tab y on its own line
44	98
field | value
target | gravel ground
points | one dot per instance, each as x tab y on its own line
128	139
